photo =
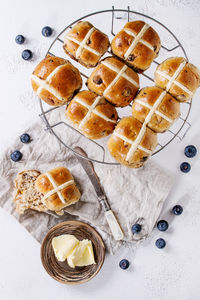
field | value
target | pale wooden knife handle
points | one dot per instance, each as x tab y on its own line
114	225
110	217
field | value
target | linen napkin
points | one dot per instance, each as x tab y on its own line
135	195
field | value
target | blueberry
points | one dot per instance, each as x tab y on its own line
190	151
160	243
27	54
177	210
46	31
19	39
124	264
25	138
185	167
136	228
162	225
16	155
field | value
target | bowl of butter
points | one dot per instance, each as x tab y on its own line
72	252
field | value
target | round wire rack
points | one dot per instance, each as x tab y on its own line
115	18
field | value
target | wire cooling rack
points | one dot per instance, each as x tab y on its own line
117	18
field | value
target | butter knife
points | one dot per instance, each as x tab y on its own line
109	215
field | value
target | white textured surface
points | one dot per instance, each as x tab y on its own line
171	273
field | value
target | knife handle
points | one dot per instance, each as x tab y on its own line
109	215
114	225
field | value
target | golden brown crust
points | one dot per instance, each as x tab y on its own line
169	107
123	91
189	77
59	176
61	87
141	56
129	127
95	126
97	41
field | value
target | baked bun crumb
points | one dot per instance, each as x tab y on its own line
26	196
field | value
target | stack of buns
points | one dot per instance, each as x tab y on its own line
114	82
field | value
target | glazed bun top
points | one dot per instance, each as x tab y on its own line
178	77
58	187
114	80
138	44
92	115
132	142
55	80
86	44
164	108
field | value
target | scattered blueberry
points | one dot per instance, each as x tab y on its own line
46	31
160	243
124	264
190	151
25	138
185	167
136	228
19	39
177	210
162	225
27	54
16	155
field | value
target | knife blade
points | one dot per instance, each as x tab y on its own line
101	196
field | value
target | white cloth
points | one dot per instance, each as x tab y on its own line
135	195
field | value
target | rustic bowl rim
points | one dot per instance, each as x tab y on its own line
76	223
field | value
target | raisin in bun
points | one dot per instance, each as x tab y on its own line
92	115
178	77
115	81
59	189
55	80
86	44
26	196
158	106
132	142
138	44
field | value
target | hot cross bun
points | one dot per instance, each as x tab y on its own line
132	142
86	44
156	106
59	189
115	81
92	115
138	44
55	80
178	77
